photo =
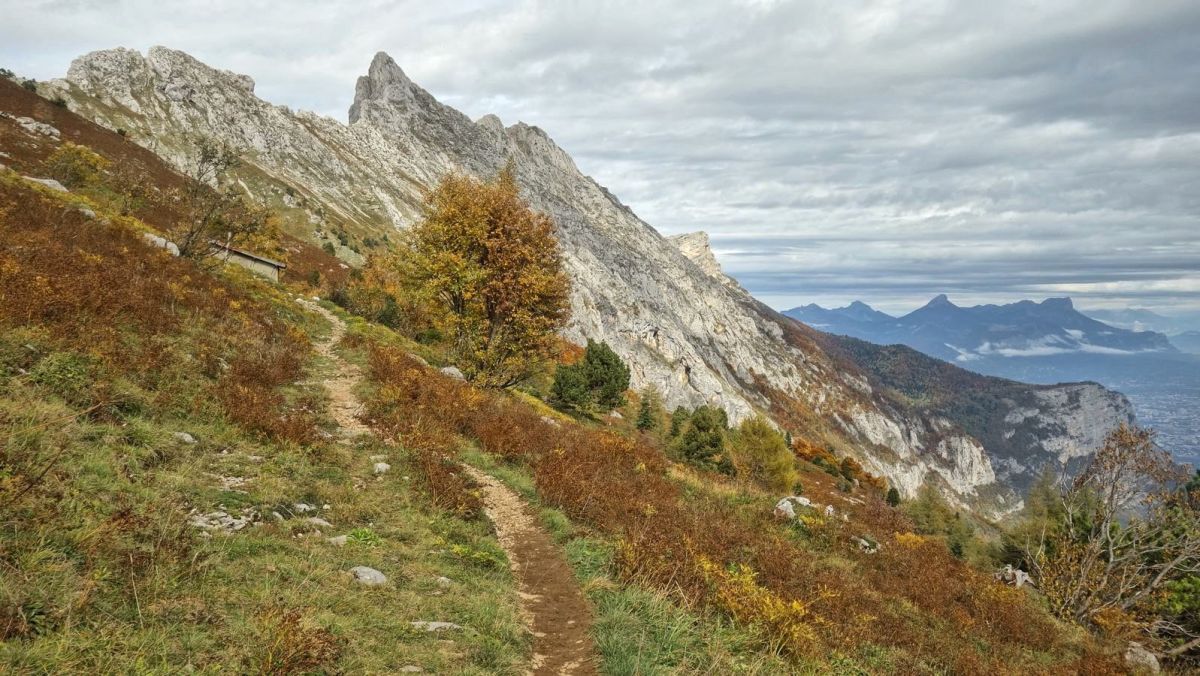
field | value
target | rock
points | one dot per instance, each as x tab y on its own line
368	576
1141	660
865	545
48	182
417	358
277	516
338	540
444	582
318	522
551	421
184	437
161	242
32	126
1013	576
303	508
786	508
829	510
615	414
452	372
220	520
381	468
87	213
435	626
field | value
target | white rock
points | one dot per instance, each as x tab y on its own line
303	508
184	437
338	540
368	576
381	468
444	582
48	182
161	242
1138	658
319	522
452	372
435	626
786	507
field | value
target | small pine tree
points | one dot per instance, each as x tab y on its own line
645	419
679	418
893	497
787	440
703	441
599	380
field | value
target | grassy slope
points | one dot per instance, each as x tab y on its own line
108	348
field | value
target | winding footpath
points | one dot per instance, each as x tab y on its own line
552	605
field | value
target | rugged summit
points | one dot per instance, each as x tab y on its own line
682	325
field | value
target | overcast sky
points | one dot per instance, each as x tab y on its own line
840	150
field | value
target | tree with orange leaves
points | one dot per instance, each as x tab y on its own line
489	269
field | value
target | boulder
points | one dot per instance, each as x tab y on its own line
161	242
452	372
338	540
368	576
184	437
49	183
1141	660
786	508
381	468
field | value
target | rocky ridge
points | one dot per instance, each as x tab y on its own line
683	326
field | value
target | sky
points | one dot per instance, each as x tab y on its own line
838	150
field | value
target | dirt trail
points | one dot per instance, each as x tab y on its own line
344	406
552	604
551	601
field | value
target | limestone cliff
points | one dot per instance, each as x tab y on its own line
683	326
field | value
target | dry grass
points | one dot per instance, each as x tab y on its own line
807	590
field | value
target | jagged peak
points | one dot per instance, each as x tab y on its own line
940	300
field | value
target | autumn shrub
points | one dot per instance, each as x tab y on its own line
76	166
761	455
97	288
292	644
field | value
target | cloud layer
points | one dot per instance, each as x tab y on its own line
834	150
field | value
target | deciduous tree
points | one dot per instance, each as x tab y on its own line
490	269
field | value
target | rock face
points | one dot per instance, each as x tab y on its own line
681	325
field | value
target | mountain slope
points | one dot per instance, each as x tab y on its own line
682	327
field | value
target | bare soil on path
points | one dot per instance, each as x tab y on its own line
552	605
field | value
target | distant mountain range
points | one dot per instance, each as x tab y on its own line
1049	342
963	334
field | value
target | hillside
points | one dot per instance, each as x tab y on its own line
688	333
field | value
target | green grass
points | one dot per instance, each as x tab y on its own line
101	571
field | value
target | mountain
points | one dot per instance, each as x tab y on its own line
1188	341
1047	342
962	334
684	327
1140	319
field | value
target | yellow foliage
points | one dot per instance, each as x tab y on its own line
788	623
910	539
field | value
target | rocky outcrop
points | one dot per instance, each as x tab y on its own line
684	327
